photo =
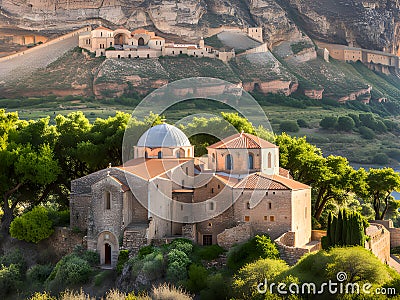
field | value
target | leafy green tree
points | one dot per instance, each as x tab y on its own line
32	226
289	126
329	122
29	168
240	123
366	133
380	159
345	123
246	280
380	184
356	119
302	123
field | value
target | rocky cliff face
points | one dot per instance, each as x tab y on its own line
365	23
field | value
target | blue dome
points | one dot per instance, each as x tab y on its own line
163	135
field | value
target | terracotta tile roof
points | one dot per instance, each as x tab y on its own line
242	141
229	181
103	28
192	47
124	187
151	168
285	173
140	31
157	38
260	181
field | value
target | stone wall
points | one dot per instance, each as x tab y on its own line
316	235
394	232
63	241
235	235
314	93
288	253
43	46
379	242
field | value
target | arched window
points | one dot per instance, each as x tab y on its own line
269	160
146	155
107	200
229	162
141	41
159	155
213	157
178	154
251	161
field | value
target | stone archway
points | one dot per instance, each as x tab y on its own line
107	247
120	39
141	41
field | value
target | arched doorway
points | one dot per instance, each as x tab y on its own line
141	41
107	254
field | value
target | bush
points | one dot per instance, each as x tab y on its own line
32	226
92	257
59	218
302	123
356	119
345	124
39	273
217	288
71	269
178	256
145	250
246	280
123	257
289	126
328	122
176	272
366	133
153	265
209	252
197	278
256	248
380	159
16	258
10	277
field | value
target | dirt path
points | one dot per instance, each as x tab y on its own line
26	64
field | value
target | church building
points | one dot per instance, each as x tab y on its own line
165	192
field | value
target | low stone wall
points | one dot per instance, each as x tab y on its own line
260	49
379	241
44	45
234	235
394	232
288	253
63	241
316	235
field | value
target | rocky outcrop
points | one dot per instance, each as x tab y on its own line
351	22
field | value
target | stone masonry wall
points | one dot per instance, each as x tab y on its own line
235	235
63	241
290	254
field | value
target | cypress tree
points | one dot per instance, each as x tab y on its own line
339	229
333	230
329	230
344	230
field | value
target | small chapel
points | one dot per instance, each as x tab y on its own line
165	192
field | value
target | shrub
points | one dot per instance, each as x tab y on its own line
366	133
10	277
32	226
59	218
92	257
197	278
256	248
16	258
302	123
145	250
153	265
328	122
217	288
209	252
185	247
168	292
178	256
345	123
380	159
123	257
289	126
246	280
71	269
176	272
39	273
356	119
